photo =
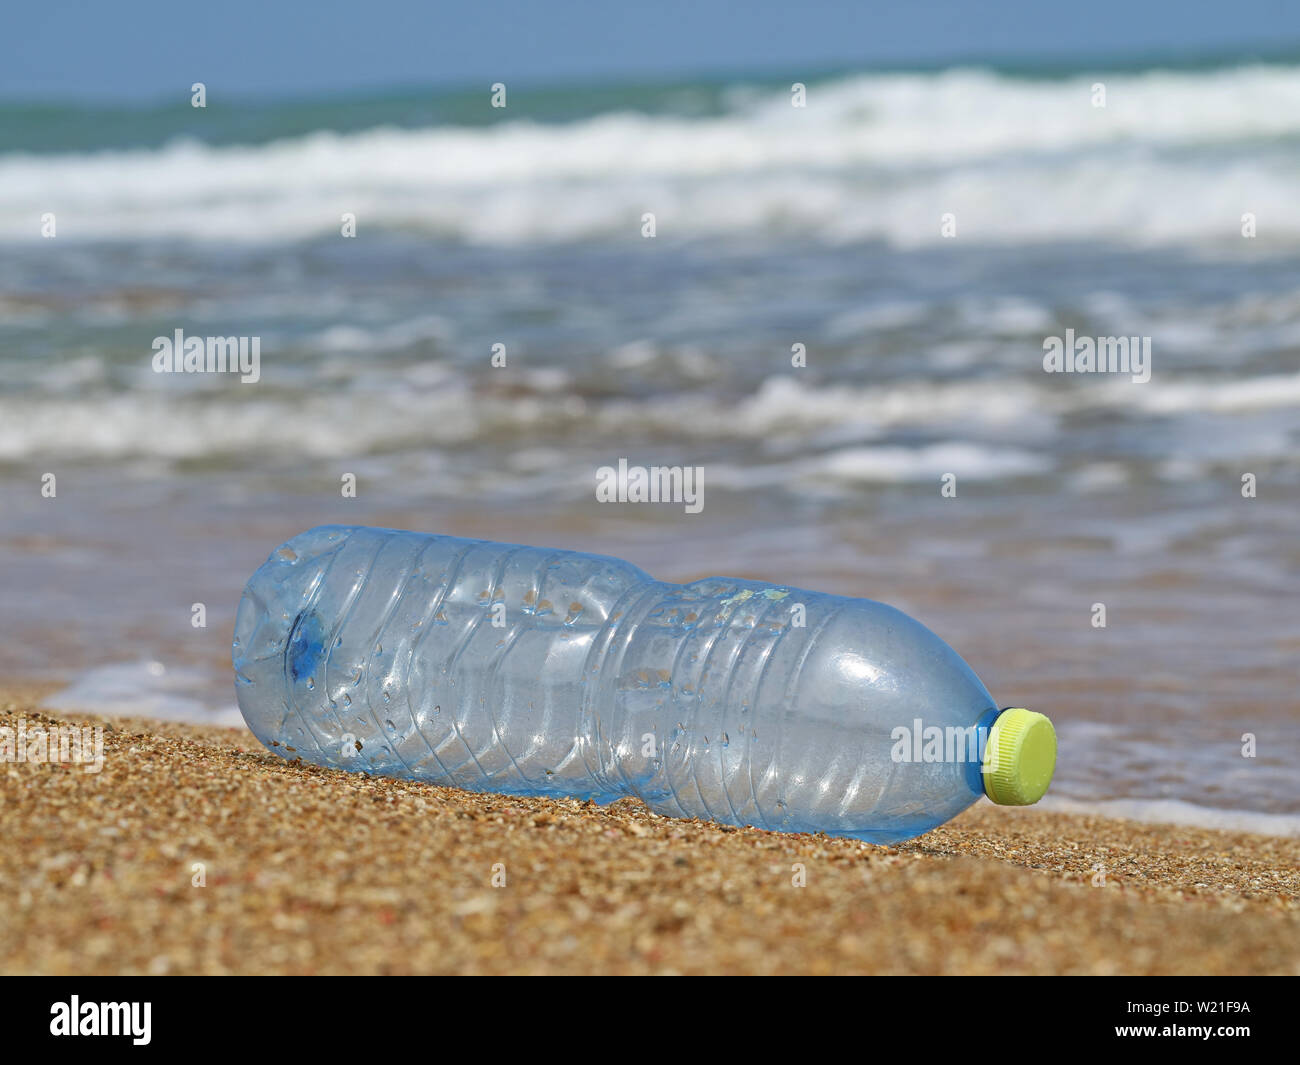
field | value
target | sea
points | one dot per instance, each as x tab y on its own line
831	293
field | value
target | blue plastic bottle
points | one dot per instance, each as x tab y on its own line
532	671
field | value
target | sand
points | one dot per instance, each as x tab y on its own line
305	870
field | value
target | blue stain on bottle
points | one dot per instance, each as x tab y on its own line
306	647
530	671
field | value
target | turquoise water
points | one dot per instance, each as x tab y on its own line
776	226
54	126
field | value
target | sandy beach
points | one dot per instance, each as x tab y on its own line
193	850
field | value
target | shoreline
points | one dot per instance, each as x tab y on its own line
90	685
306	870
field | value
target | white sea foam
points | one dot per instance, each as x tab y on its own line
432	405
1177	812
1172	157
1233	396
147	688
845	467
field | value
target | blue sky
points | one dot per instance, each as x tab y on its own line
136	49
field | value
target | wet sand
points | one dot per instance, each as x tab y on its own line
307	870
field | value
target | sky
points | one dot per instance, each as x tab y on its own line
142	49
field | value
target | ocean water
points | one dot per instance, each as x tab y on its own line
775	226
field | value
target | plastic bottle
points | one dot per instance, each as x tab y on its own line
525	670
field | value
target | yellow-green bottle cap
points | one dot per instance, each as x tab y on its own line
1019	757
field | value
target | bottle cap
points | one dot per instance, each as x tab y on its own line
1019	757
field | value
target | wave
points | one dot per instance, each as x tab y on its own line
1172	157
888	432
